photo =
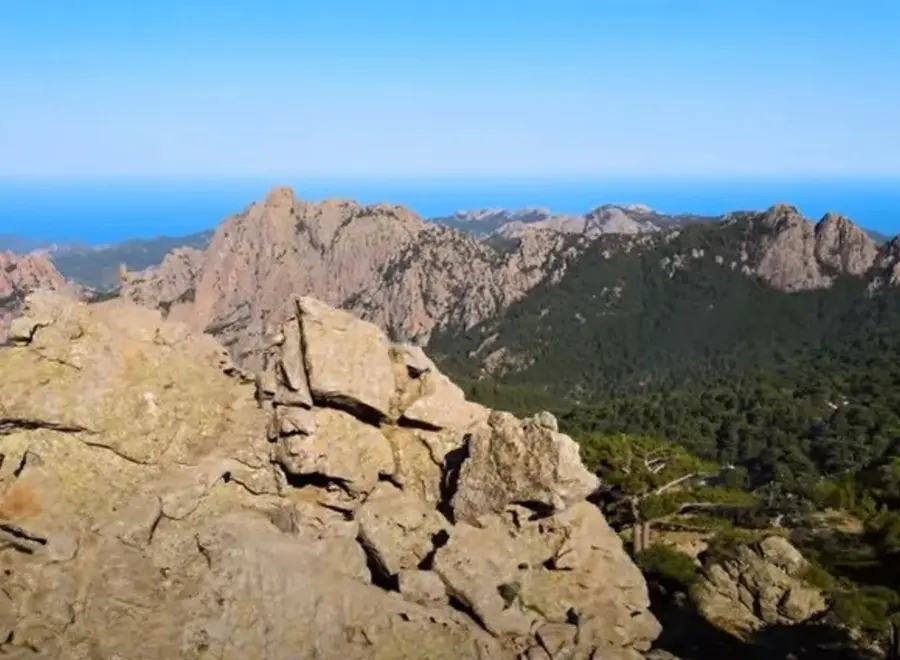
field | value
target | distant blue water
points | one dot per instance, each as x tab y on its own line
101	212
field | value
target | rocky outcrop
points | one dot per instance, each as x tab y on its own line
761	586
156	501
843	247
797	255
887	266
381	262
19	275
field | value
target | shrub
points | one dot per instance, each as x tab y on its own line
865	608
668	565
816	576
725	544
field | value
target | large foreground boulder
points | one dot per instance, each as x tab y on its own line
156	502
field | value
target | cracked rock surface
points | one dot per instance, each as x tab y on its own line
156	502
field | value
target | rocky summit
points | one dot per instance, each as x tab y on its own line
158	502
380	261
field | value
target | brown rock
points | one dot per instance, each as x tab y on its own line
422	587
398	529
481	568
342	449
348	361
420	459
438	404
291	367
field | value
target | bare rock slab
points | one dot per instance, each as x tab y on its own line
398	529
347	360
342	449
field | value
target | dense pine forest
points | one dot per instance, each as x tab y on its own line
792	400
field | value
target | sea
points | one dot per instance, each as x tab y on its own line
102	212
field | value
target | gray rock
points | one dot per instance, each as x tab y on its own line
292	370
546	420
513	462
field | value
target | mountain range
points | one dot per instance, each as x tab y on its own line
97	266
466	277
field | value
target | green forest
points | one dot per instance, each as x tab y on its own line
791	399
791	386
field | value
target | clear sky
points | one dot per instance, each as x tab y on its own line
437	88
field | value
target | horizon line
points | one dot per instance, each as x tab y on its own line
285	179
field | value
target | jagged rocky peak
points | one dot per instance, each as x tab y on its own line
280	197
19	275
886	271
782	215
844	246
796	254
381	261
348	502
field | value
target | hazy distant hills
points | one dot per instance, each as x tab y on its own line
19	244
605	219
97	266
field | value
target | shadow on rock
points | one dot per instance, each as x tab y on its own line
689	636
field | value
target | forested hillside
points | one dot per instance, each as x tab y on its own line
791	385
669	356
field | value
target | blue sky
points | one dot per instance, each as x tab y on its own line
403	88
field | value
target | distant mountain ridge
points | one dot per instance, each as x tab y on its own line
431	284
657	310
425	281
604	219
97	266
